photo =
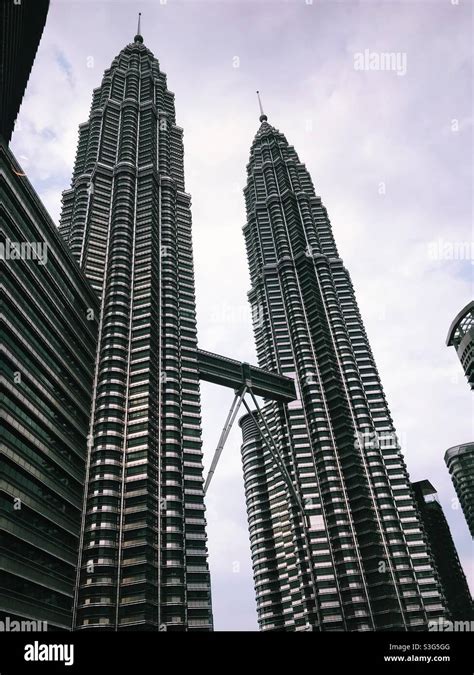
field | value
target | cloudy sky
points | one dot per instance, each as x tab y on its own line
389	151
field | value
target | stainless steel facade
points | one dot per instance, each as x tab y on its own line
357	558
453	579
460	462
127	220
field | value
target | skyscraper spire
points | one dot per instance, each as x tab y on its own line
138	36
263	117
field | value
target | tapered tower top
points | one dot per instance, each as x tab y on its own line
138	37
263	117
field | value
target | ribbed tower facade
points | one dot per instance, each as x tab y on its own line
355	557
460	462
127	219
455	586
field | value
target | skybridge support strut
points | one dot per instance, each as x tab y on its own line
275	454
268	440
234	409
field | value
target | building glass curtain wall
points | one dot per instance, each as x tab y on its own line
359	559
461	337
456	589
460	462
49	327
127	220
21	27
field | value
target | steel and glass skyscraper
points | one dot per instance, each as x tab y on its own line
353	555
127	219
48	323
460	462
461	337
453	579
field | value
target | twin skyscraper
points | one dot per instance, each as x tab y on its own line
337	542
350	553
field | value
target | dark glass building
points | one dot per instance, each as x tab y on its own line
456	589
349	553
21	27
461	337
460	462
127	221
49	325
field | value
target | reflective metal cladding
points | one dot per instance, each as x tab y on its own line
355	556
127	220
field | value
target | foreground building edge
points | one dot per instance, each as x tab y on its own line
49	327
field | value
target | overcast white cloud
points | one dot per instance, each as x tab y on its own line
390	155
